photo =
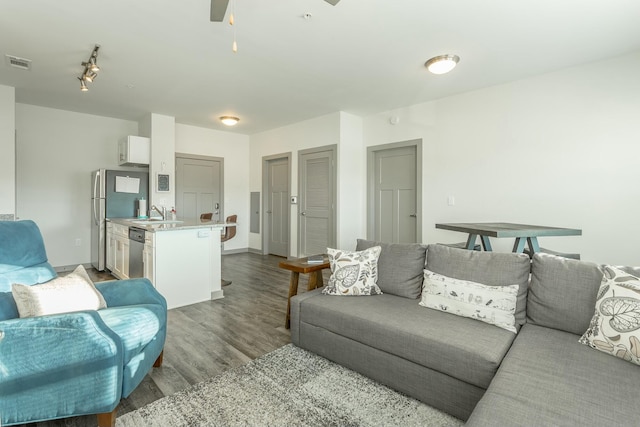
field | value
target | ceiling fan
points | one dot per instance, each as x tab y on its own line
219	9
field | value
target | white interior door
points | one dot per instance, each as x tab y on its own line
277	212
395	196
199	187
316	222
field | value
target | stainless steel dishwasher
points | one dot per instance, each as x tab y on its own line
136	246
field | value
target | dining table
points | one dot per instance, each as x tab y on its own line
524	234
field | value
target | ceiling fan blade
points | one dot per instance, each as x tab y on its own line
218	10
332	2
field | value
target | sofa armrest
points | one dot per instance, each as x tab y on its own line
295	313
59	365
118	293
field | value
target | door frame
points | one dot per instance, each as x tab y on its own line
333	148
265	200
371	152
201	157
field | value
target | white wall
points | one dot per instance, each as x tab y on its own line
234	149
56	152
7	148
162	131
351	185
312	133
560	149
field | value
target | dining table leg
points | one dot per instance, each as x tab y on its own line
533	245
471	241
518	246
486	243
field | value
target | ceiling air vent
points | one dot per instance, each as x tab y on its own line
21	63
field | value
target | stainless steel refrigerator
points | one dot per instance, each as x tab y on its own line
114	194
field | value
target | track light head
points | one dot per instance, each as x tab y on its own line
89	75
93	66
83	85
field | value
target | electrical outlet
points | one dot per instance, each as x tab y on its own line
78	242
451	200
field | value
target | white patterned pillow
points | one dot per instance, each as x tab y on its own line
490	304
615	325
64	294
353	273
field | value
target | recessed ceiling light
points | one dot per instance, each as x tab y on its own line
229	120
442	64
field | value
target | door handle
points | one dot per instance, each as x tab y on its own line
268	212
413	216
303	213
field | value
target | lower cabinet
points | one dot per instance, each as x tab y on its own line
148	255
118	250
111	247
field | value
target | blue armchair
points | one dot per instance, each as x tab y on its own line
71	364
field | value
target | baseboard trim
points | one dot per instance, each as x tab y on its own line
65	268
235	251
217	294
255	251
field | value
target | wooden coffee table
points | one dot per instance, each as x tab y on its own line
297	266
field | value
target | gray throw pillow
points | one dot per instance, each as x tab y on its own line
562	293
400	267
488	268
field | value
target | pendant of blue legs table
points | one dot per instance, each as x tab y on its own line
524	234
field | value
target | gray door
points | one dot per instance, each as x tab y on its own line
199	187
278	207
316	223
395	198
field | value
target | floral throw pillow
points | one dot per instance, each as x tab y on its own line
495	305
615	326
353	273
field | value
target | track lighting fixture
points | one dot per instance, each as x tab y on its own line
90	69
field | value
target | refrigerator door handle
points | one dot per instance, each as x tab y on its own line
96	193
95	216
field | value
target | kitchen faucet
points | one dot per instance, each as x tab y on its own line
162	212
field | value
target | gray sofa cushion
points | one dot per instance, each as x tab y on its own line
399	267
549	379
462	348
562	293
488	268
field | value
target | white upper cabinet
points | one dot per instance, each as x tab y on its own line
134	151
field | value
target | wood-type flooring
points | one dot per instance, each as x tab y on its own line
208	338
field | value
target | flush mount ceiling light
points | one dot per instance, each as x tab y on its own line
229	120
442	64
90	70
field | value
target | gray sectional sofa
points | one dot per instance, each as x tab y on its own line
476	371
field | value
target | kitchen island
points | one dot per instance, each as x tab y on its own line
181	258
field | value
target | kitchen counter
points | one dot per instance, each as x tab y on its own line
169	225
181	258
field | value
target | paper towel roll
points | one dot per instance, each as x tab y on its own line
142	208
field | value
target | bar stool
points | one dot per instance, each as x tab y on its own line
206	216
229	233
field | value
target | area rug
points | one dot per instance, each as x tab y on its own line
287	387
